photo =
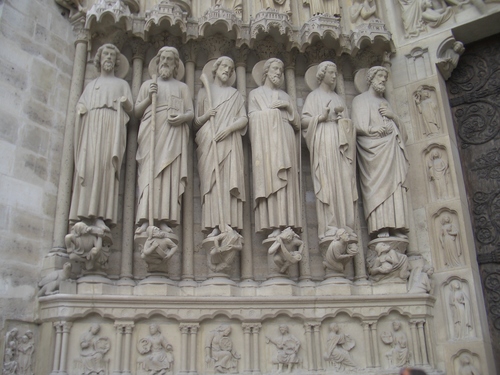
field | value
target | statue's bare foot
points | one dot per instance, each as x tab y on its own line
275	233
142	228
214	233
383	233
164	227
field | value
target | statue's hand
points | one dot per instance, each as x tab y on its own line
324	115
153	89
222	134
80	109
211	113
380	132
385	111
279	104
175	120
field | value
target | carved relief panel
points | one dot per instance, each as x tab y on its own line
438	173
456	298
283	346
447	239
18	352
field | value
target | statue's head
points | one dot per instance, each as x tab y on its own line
94	329
396	325
458	47
107	57
377	78
327	71
283	329
223	68
168	62
154	328
273	69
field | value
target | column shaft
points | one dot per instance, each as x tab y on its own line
64	347
118	350
376	353
317	347
368	347
57	350
128	346
310	365
247	350
423	343
184	349
416	348
192	343
255	351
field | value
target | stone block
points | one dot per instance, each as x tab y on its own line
13	75
26	224
390	288
43	75
7	151
332	289
68	287
49	204
30	167
13	17
217	290
34	138
15	193
277	290
39	113
156	290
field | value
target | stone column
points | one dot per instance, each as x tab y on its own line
128	345
414	339
193	340
307	327
247	350
67	160
184	348
368	346
246	253
376	353
187	201
64	347
126	271
423	342
255	341
317	347
118	350
57	350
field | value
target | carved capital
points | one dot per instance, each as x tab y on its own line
184	328
82	35
241	55
189	51
139	48
217	46
289	58
247	328
67	327
268	48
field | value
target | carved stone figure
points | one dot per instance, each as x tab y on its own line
173	114
273	123
286	250
158	248
338	347
460	310
439	173
466	365
450	243
223	252
420	280
235	5
89	244
220	146
287	349
449	60
382	159
417	14
331	141
282	6
389	264
399	355
10	363
92	351
364	9
329	7
219	351
159	359
339	252
100	140
428	109
51	283
25	350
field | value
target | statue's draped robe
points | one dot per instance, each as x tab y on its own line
274	161
170	153
332	146
338	346
383	166
230	106
100	140
330	7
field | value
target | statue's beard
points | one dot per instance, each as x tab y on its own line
165	72
108	66
378	87
276	80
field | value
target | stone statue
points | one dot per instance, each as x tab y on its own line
223	252
282	6
159	359
51	283
450	243
158	248
220	146
286	250
10	363
338	347
439	173
219	350
92	351
466	365
25	350
89	245
389	264
100	139
331	141
382	159
174	112
428	109
235	5
460	310
399	355
420	279
287	349
417	14
339	252
364	9
325	7
449	60
273	123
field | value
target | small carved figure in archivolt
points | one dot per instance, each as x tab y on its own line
428	109
286	250
219	351
466	365
158	248
389	264
93	348
339	252
450	243
51	283
287	346
25	349
157	351
364	9
420	279
460	311
399	355
225	247
439	173
10	363
338	347
323	7
449	60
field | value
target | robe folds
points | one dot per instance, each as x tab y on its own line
383	165
332	146
170	152
274	161
230	106
100	141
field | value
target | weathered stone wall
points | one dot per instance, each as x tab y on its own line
36	50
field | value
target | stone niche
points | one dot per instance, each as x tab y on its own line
182	295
